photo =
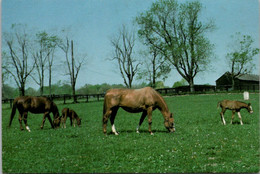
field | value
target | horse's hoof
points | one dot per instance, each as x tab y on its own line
28	129
151	133
137	132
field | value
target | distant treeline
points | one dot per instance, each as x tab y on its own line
11	92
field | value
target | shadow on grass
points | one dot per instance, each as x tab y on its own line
238	122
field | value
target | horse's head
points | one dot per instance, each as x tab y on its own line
79	121
249	108
169	123
56	122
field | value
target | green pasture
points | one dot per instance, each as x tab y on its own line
200	144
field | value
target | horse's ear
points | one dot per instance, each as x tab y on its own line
171	115
249	104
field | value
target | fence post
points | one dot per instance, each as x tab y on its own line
87	98
64	99
11	102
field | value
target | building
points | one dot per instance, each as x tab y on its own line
242	82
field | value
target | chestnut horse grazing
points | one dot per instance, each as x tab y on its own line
66	112
143	100
235	106
35	105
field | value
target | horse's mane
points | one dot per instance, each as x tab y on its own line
157	94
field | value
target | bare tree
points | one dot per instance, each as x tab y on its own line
155	67
73	66
43	54
241	56
40	55
124	55
17	62
53	42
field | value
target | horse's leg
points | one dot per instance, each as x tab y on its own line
46	114
222	116
144	114
49	118
71	120
43	120
233	115
20	120
64	120
112	120
25	121
239	116
149	113
105	119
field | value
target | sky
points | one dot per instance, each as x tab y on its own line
92	23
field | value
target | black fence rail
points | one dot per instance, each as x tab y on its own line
164	91
66	98
185	89
250	87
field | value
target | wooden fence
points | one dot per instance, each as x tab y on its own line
185	89
165	91
66	97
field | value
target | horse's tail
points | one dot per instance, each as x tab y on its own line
13	112
104	106
104	110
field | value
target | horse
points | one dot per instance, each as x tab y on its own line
35	105
143	100
66	112
235	106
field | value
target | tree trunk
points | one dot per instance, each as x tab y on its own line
154	73
50	82
22	90
233	83
42	81
72	74
191	83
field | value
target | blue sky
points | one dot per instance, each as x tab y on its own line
92	23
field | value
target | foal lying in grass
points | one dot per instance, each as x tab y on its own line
235	106
66	112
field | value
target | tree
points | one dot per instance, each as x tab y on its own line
17	62
73	67
43	55
182	82
52	43
155	67
178	33
241	56
123	45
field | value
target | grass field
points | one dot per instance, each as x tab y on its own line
200	144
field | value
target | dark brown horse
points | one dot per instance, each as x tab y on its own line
143	100
235	106
66	112
35	105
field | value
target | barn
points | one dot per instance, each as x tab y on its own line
242	82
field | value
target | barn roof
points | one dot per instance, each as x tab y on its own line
244	77
248	77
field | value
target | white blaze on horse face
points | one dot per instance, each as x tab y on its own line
27	127
114	129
